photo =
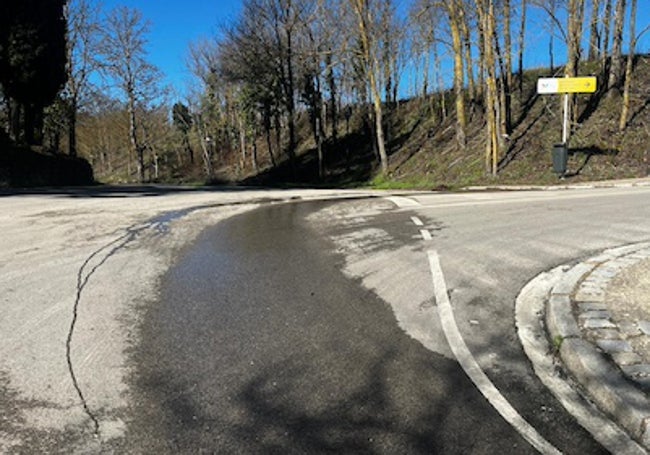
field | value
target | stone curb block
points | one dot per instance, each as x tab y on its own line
628	249
607	387
559	320
571	278
604	383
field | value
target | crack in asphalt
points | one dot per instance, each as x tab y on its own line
159	224
112	247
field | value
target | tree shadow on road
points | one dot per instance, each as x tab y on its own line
396	402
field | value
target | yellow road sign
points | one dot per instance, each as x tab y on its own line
566	85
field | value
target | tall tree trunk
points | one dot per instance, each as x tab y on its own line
269	145
506	112
628	68
485	9
29	124
594	35
15	119
372	69
575	26
319	146
607	30
379	129
333	107
371	130
156	165
425	81
481	62
242	141
520	50
72	127
278	130
551	44
467	53
266	121
188	147
255	136
453	9
291	102
617	48
603	80
441	84
133	138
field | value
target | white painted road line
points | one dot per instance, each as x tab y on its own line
426	235
417	221
403	202
471	366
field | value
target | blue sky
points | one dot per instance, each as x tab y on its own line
174	24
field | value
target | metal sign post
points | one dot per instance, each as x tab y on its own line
566	85
565	122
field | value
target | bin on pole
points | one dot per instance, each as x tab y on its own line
560	159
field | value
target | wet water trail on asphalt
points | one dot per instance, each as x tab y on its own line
260	344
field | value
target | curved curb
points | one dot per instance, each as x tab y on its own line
603	382
529	315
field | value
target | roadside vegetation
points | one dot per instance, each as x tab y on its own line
307	92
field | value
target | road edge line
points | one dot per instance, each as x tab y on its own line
471	367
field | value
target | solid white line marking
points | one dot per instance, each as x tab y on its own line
471	366
426	235
402	202
417	221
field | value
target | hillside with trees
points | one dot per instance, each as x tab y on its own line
311	92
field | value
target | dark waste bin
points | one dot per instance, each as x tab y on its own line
560	158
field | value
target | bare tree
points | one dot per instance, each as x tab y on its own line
607	29
82	48
423	39
123	49
392	34
630	65
474	92
262	50
575	19
203	62
520	48
616	69
594	33
455	13
506	74
287	18
369	56
182	120
486	12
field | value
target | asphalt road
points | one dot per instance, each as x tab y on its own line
260	344
294	328
297	327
